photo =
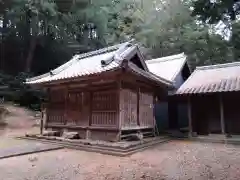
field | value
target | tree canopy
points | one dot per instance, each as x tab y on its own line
212	11
37	36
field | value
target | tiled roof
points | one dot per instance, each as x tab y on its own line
85	64
149	75
96	62
215	78
167	67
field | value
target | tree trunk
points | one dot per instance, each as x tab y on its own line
29	60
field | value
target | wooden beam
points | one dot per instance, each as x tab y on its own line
190	117
222	114
104	76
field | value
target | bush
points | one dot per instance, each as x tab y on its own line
14	89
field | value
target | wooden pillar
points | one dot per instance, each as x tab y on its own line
65	105
155	101
119	108
190	117
42	116
222	114
47	106
88	133
138	106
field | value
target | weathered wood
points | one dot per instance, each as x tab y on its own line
104	108
129	108
146	109
106	103
90	109
138	106
66	105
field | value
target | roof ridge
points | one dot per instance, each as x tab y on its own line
78	57
216	66
167	58
103	50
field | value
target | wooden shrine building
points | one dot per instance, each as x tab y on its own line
213	94
171	114
103	94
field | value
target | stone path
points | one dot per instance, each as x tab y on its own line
26	148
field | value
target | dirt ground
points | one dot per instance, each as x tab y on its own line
19	121
176	160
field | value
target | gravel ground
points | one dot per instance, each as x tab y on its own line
176	160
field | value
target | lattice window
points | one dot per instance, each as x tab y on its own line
104	107
104	101
74	107
56	107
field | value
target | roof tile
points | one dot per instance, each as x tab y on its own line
167	67
215	78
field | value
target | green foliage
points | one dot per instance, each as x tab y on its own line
235	40
212	11
40	35
14	89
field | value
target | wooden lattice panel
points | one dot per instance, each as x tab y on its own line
128	108
56	107
146	116
104	107
74	107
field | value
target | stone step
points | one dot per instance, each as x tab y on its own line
105	150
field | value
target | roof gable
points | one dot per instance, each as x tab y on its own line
107	59
167	67
132	53
214	78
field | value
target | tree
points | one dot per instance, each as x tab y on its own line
235	40
169	29
212	11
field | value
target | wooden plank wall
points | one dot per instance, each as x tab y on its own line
78	108
130	106
146	116
83	108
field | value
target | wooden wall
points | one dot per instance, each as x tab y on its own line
128	108
79	107
136	107
146	113
206	113
231	112
101	112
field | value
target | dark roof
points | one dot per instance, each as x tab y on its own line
214	78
